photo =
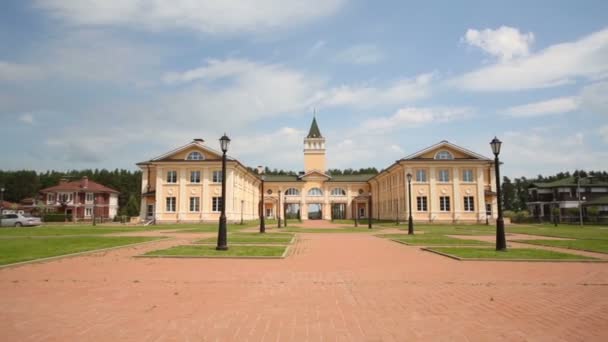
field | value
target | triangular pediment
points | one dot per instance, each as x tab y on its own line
183	152
454	152
315	175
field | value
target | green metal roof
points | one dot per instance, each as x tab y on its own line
598	201
571	181
314	131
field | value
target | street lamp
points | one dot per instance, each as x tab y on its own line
279	211
1	204
222	238
262	223
242	204
369	209
410	220
501	242
578	193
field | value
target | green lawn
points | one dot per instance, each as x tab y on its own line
600	246
253	238
432	240
210	251
206	228
331	230
24	249
65	230
511	254
573	232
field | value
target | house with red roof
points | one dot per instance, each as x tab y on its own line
82	199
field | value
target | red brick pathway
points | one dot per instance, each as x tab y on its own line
335	287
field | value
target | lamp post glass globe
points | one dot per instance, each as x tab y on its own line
224	143
496	144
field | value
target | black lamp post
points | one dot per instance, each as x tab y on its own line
222	238
94	202
410	220
355	213
501	242
1	204
369	208
279	211
285	214
242	204
262	209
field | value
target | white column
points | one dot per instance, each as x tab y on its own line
182	196
481	196
144	187
230	185
160	201
433	201
206	194
457	209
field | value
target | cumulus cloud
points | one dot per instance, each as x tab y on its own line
207	16
361	54
365	96
549	107
505	42
559	64
14	72
413	117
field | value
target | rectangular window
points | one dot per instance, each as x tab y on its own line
88	212
216	204
51	198
420	175
444	203
171	176
195	176
171	204
89	197
467	175
217	176
195	204
444	175
469	203
421	203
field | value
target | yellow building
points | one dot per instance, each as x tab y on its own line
449	183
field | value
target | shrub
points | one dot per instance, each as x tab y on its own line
56	218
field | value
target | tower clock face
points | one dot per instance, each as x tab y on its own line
269	192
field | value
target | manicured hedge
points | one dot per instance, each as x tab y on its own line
56	218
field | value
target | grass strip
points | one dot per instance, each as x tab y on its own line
511	254
433	240
599	246
210	251
26	249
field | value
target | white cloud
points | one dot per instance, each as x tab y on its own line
208	16
361	54
603	131
316	48
366	96
593	97
27	118
558	64
413	117
548	150
549	107
11	72
505	42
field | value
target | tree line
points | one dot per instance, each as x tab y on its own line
25	183
515	192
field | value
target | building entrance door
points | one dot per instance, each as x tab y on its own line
314	211
338	211
150	211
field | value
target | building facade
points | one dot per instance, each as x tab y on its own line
449	184
82	199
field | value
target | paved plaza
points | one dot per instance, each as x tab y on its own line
332	287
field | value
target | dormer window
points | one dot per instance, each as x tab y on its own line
195	156
444	155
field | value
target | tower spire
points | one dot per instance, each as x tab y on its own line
314	131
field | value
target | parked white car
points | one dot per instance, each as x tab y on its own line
19	220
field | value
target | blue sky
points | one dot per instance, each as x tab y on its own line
106	84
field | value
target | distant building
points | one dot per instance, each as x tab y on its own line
449	184
563	194
81	199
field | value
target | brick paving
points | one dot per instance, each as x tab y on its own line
333	287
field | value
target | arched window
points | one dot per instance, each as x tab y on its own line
195	156
315	192
338	192
444	155
292	192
